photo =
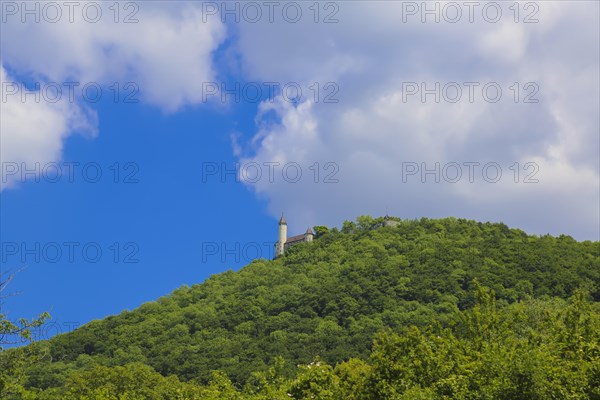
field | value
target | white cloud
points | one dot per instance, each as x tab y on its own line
507	44
372	131
167	53
33	130
369	54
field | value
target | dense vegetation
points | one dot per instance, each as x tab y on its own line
428	309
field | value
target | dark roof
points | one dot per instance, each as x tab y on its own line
308	232
282	220
296	238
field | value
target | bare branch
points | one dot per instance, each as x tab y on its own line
11	276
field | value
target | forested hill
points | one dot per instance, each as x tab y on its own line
327	301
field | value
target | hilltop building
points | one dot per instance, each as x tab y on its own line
387	221
285	243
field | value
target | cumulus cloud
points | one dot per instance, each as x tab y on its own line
164	47
159	52
550	147
33	130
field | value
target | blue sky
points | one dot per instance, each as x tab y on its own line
158	210
494	119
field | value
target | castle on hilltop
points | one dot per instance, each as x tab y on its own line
387	221
285	243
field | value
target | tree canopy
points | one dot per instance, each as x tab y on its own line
427	309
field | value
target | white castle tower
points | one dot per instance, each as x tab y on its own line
284	242
280	245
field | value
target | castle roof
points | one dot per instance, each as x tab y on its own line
297	238
282	220
308	232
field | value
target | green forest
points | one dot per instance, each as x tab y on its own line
428	309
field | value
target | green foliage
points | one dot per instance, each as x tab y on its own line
14	364
493	353
320	230
428	309
21	330
314	381
133	381
13	367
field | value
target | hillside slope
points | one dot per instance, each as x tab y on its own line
327	299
